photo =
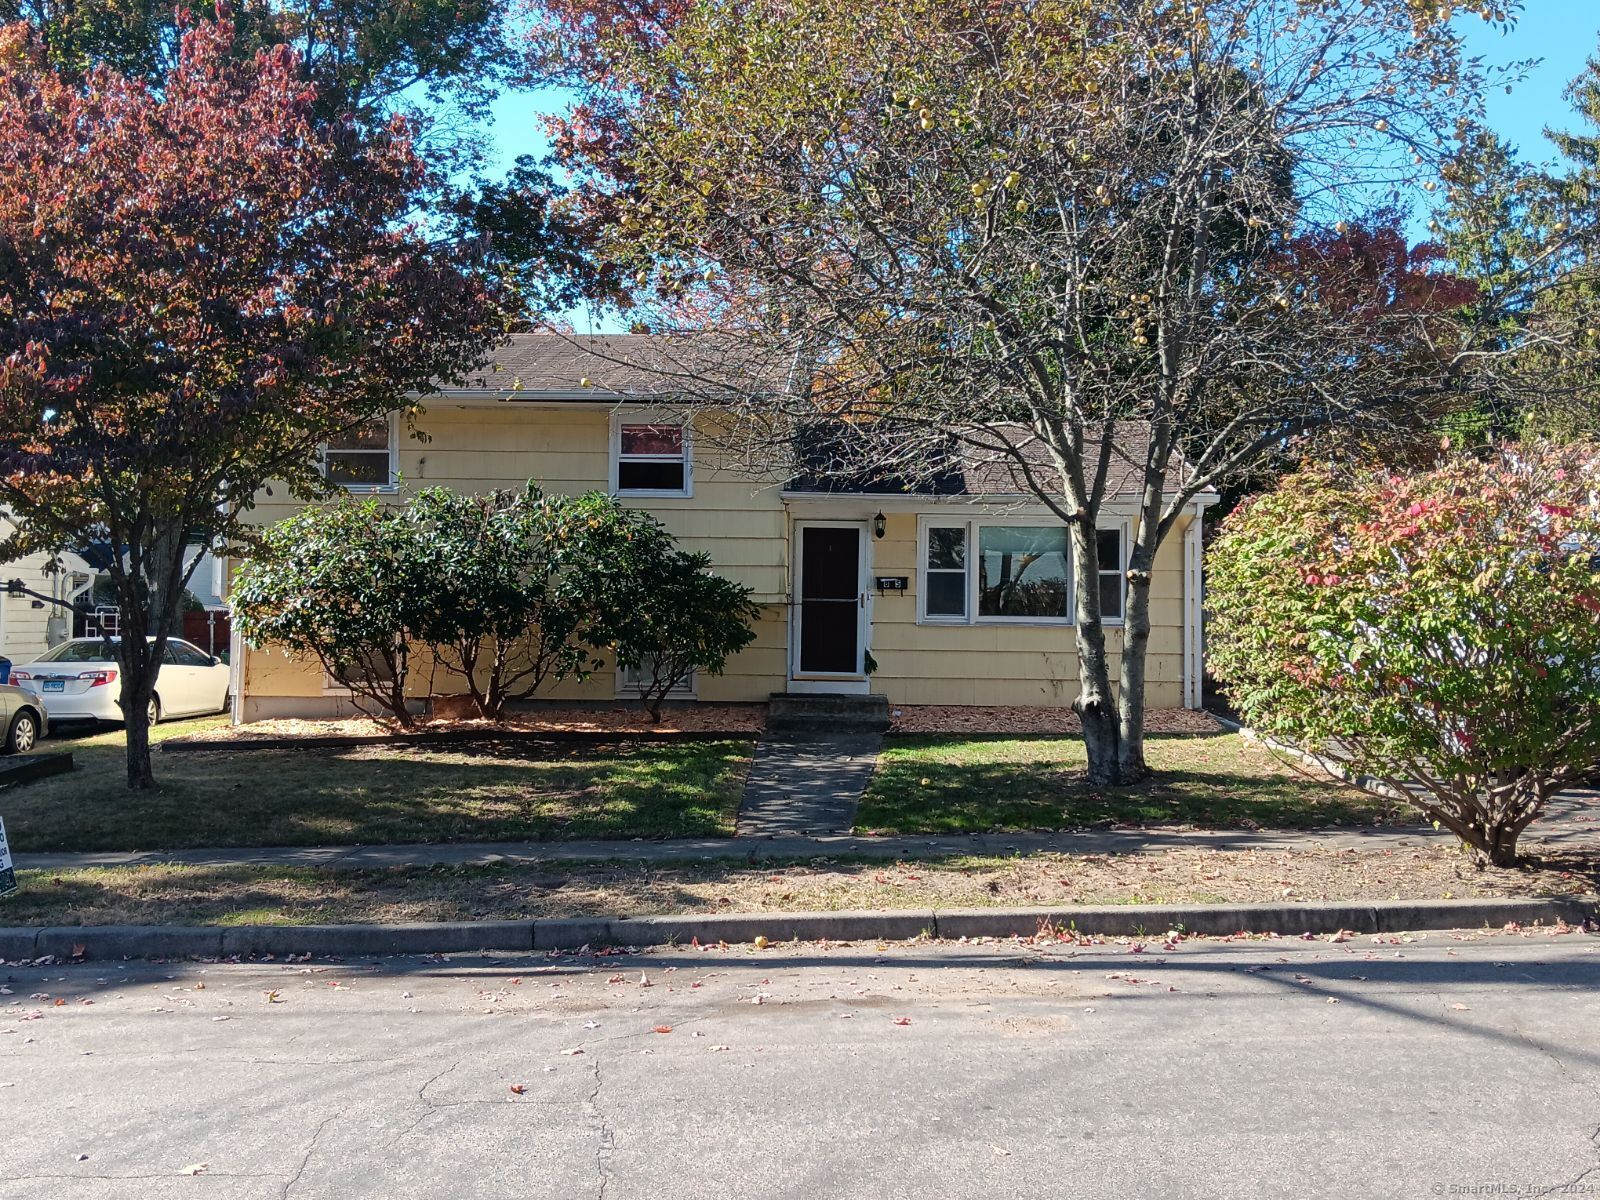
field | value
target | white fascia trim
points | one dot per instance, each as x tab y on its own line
574	398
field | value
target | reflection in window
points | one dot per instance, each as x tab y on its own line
361	457
652	458
945	586
1022	571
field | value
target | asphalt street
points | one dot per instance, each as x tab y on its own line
1440	1064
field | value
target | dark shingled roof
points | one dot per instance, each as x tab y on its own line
832	462
617	366
652	368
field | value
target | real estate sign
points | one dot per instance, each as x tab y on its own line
8	876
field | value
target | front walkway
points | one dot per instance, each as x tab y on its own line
807	784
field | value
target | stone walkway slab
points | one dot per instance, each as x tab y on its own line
805	784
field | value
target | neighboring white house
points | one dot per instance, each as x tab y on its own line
26	629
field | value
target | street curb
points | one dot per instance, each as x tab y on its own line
570	737
99	942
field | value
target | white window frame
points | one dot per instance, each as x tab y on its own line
973	525
621	418
924	524
373	489
1123	529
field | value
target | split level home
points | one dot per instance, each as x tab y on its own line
906	591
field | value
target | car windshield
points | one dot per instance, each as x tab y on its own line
91	650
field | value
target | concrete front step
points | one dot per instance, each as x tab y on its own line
828	713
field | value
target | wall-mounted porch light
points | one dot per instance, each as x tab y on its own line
880	525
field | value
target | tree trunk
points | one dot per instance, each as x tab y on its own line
1096	706
1131	766
149	587
137	686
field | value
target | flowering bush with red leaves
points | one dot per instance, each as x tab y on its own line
199	283
1439	631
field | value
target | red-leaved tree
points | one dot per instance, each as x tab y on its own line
199	283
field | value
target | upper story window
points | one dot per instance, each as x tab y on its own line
363	458
650	458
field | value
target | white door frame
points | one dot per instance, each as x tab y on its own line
855	682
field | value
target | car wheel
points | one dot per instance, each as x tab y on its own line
23	735
152	712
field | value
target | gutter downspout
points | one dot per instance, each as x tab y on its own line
1194	609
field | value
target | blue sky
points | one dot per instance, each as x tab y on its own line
1561	33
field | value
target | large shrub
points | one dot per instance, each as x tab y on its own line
497	614
670	616
509	592
1439	631
347	584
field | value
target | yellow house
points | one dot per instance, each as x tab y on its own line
912	594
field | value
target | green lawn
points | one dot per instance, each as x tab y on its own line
250	895
970	785
495	791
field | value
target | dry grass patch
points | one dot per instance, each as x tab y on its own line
300	895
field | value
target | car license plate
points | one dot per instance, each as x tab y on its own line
55	685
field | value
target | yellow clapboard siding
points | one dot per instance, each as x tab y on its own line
746	528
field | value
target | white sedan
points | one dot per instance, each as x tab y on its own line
78	681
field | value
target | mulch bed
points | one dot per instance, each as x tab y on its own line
698	718
684	719
963	719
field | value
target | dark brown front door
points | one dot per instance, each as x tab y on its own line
830	600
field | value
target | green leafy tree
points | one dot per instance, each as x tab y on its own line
1044	237
437	65
199	284
1530	237
351	584
1439	631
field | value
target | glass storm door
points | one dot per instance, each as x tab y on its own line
832	604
